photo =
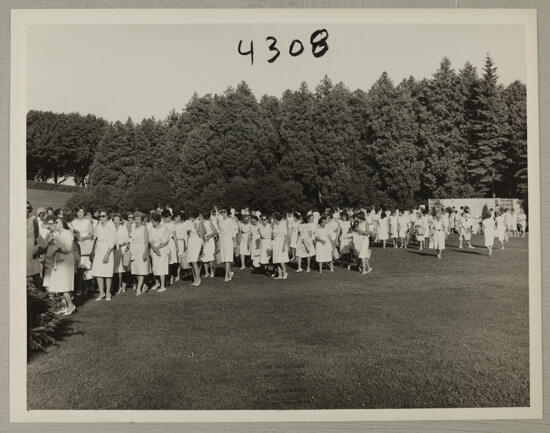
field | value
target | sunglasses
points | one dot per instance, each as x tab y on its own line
102	216
130	217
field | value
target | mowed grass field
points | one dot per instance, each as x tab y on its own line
416	333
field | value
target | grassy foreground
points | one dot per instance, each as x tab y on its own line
416	333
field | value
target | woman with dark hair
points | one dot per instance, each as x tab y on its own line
209	247
159	238
438	232
84	232
304	244
194	246
103	260
122	242
173	264
181	240
280	245
227	242
488	224
266	242
323	244
501	226
59	277
139	246
245	231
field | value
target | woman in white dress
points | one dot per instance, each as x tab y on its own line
394	227
323	245
60	277
465	228
84	231
304	242
139	246
438	232
227	242
522	222
181	241
245	238
173	263
209	247
501	227
345	239
383	228
363	250
103	262
194	247
255	240
403	227
122	243
293	234
488	224
159	238
281	244
266	242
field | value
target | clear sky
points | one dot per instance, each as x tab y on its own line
117	71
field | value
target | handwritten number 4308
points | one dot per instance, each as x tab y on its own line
318	41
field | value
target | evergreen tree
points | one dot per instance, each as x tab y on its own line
488	158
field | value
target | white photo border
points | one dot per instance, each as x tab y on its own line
22	19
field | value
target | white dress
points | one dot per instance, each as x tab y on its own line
345	237
60	278
244	245
181	235
438	230
105	239
489	231
383	229
304	245
363	248
393	226
255	249
293	232
323	248
501	227
209	249
158	236
172	244
227	234
85	228
403	225
121	236
138	247
194	242
280	233
266	244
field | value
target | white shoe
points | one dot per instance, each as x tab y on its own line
162	289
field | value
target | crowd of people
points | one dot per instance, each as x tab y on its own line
74	252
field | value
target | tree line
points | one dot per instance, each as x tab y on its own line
456	134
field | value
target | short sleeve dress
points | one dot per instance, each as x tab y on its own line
138	246
60	278
105	239
158	236
323	248
280	233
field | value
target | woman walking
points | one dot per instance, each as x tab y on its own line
266	243
501	227
323	245
84	231
103	262
488	224
438	232
245	232
280	246
194	247
209	247
122	242
227	243
159	238
383	228
59	278
140	265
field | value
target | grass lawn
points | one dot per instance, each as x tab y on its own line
416	333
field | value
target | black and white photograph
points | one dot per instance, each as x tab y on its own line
308	213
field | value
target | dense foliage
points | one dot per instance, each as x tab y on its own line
44	328
456	134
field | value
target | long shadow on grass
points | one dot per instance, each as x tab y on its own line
476	253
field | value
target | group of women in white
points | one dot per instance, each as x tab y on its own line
167	244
